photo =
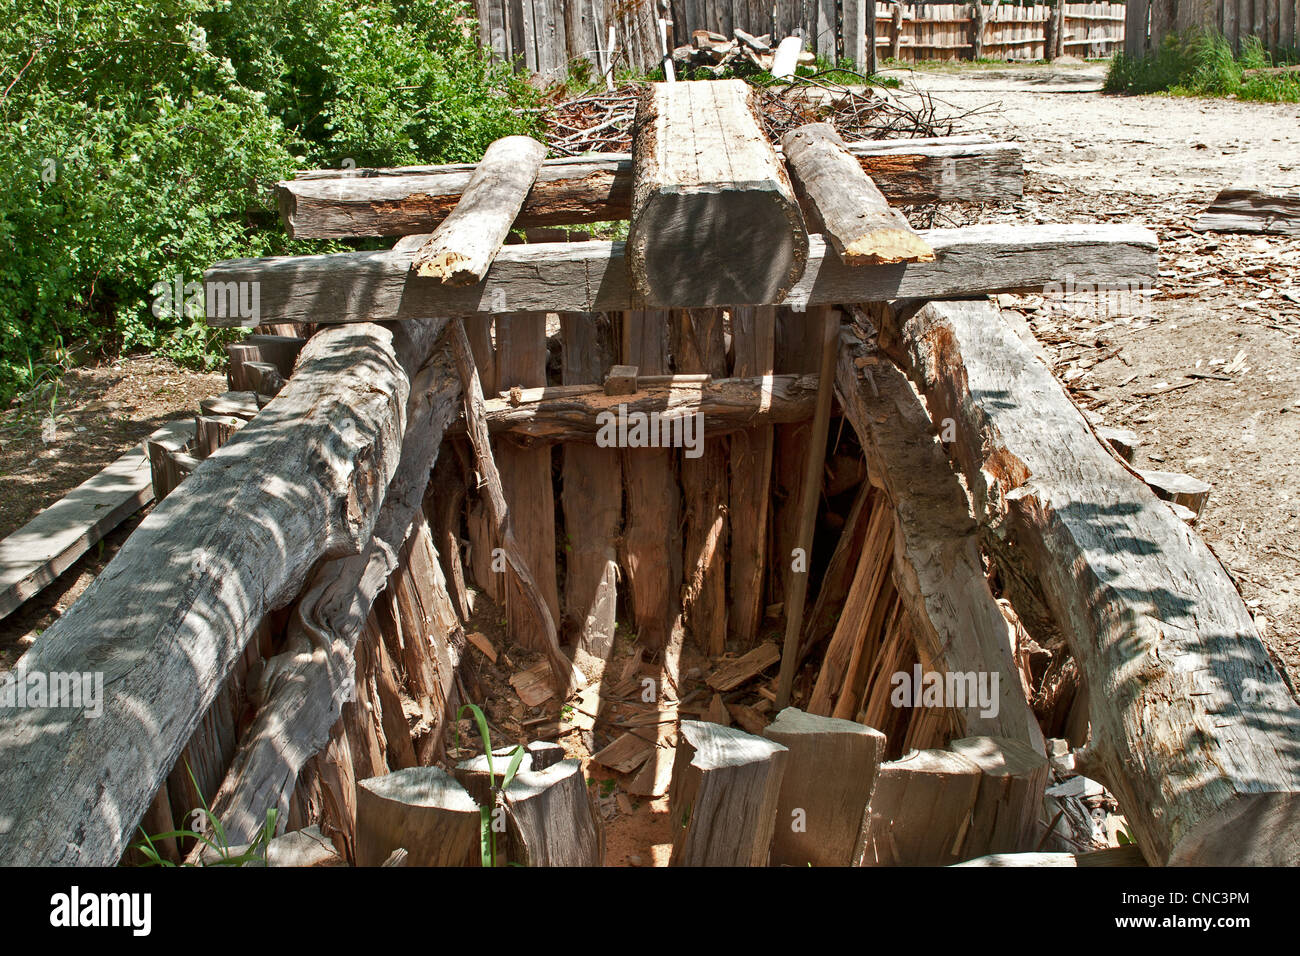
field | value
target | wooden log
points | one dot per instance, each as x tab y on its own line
166	468
238	353
1150	615
564	675
787	57
937	570
463	246
241	405
526	481
1010	796
714	218
414	200
1249	210
592	276
651	553
32	557
592	501
206	547
444	510
264	379
478	524
977	31
840	573
279	350
723	796
421	810
301	691
1174	486
587	414
753	330
845	204
830	774
921	810
1128	855
552	819
213	431
698	346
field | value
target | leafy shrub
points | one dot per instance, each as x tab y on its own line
139	142
1201	63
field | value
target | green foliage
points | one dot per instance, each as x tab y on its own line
487	836
213	836
139	143
1201	63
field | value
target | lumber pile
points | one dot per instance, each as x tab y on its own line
720	54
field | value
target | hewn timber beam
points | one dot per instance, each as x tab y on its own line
336	204
937	566
593	276
1192	726
166	620
567	413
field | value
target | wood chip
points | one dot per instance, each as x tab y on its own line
534	685
731	674
480	640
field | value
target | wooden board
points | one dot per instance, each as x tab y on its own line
38	552
592	276
1249	210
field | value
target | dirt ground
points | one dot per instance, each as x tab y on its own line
1227	308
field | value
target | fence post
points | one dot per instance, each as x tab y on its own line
976	31
870	43
896	40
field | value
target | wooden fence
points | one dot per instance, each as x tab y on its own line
544	36
1274	22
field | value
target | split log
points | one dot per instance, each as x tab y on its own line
592	496
714	219
526	481
315	467
213	431
279	350
787	57
1161	636
731	674
478	524
698	347
264	380
586	414
651	554
1010	796
846	205
753	330
303	688
32	557
1174	486
564	674
551	819
238	404
421	810
921	810
462	248
840	573
237	354
937	570
337	204
830	774
480	777
444	508
593	276
723	796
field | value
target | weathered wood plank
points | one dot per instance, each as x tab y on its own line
463	246
592	276
1249	210
1192	727
714	217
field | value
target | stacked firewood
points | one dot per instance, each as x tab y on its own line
717	53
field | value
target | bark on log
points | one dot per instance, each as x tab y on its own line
414	200
463	246
845	204
753	330
937	566
593	276
724	793
921	810
421	810
714	219
314	466
592	496
698	347
830	774
1166	646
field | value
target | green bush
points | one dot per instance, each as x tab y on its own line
1202	63
139	142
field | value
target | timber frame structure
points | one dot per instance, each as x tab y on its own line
287	628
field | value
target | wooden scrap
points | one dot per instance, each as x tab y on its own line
731	674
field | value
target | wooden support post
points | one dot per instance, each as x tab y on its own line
830	335
1010	796
421	810
592	495
829	777
563	672
753	331
526	480
921	810
462	248
478	524
652	537
213	431
724	793
977	30
698	347
714	218
858	220
896	31
552	820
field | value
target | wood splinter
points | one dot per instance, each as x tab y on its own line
861	225
462	248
